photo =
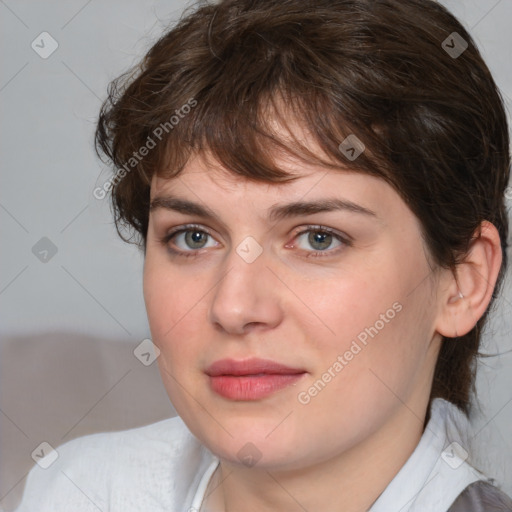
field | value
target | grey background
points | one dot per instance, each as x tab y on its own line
69	325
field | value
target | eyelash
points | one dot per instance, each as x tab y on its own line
345	240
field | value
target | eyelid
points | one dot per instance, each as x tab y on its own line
324	229
188	227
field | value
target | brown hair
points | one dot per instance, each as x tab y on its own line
433	122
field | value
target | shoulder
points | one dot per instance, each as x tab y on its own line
164	440
109	470
482	496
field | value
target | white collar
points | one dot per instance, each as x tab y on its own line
438	470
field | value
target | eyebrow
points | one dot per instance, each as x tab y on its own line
277	212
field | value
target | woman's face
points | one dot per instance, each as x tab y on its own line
324	278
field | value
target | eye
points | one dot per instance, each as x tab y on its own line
188	239
322	240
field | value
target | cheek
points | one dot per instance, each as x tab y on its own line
375	323
353	306
174	305
176	320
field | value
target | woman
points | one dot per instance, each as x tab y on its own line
318	188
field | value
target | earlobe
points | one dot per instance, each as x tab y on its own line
469	291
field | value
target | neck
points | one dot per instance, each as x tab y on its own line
351	481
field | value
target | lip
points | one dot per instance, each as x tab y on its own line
250	379
251	366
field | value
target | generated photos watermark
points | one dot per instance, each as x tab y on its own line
357	345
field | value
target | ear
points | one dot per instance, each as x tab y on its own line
466	293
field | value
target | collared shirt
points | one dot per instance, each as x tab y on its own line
163	468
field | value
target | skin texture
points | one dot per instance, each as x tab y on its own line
340	450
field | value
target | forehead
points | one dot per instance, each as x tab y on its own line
208	184
203	173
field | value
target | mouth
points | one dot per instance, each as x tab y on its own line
250	379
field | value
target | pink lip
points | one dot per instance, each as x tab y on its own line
250	379
249	367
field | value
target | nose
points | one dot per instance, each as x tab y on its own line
247	297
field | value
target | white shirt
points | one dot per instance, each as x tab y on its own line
162	467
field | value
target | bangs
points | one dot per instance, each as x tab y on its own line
247	135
